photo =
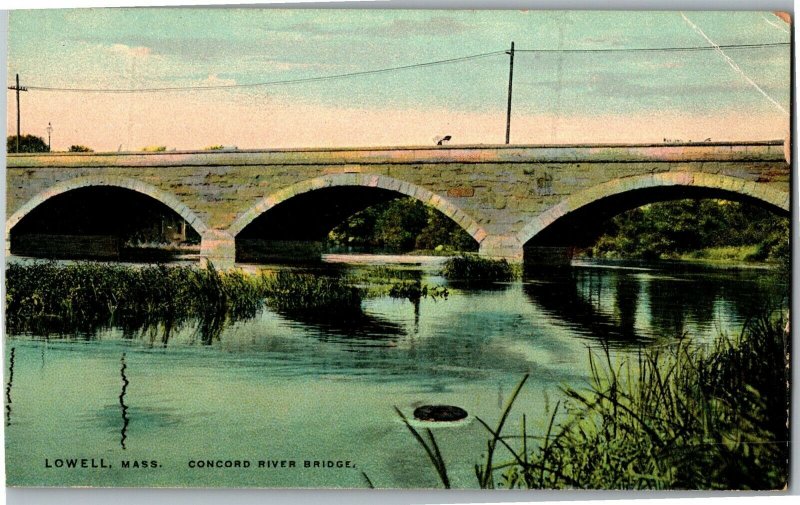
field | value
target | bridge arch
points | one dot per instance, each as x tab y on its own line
107	181
720	184
360	180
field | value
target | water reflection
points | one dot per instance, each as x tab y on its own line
343	327
580	300
626	307
280	371
518	327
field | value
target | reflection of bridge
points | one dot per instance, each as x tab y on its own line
505	197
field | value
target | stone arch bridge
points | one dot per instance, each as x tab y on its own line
510	199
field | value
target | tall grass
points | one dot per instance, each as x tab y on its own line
679	418
477	269
292	292
46	298
83	297
675	418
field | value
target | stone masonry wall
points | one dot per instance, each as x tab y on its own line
501	195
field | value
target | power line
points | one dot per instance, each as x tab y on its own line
399	68
656	49
270	83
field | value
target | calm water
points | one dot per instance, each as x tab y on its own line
275	388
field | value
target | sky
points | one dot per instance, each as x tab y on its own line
558	97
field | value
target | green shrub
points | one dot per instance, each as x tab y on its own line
475	268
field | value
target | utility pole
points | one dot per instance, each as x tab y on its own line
17	88
510	81
49	131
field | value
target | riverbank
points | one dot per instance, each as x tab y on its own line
728	257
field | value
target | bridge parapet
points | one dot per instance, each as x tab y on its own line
491	154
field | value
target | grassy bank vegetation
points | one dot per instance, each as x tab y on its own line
679	417
715	230
726	254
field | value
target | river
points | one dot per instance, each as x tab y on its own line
275	389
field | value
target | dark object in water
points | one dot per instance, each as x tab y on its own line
439	413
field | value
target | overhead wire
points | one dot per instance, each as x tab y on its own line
736	68
269	83
361	73
656	49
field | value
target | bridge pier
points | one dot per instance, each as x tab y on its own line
548	256
504	247
219	248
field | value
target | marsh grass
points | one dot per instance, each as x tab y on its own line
431	449
677	417
680	417
46	298
292	292
472	268
80	298
399	283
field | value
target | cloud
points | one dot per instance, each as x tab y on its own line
130	51
439	25
605	41
216	80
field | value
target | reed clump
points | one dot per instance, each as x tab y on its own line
473	268
292	292
45	298
399	283
50	297
679	418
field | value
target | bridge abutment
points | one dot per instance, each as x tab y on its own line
508	248
218	248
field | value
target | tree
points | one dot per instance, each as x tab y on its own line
668	229
27	144
402	225
80	149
